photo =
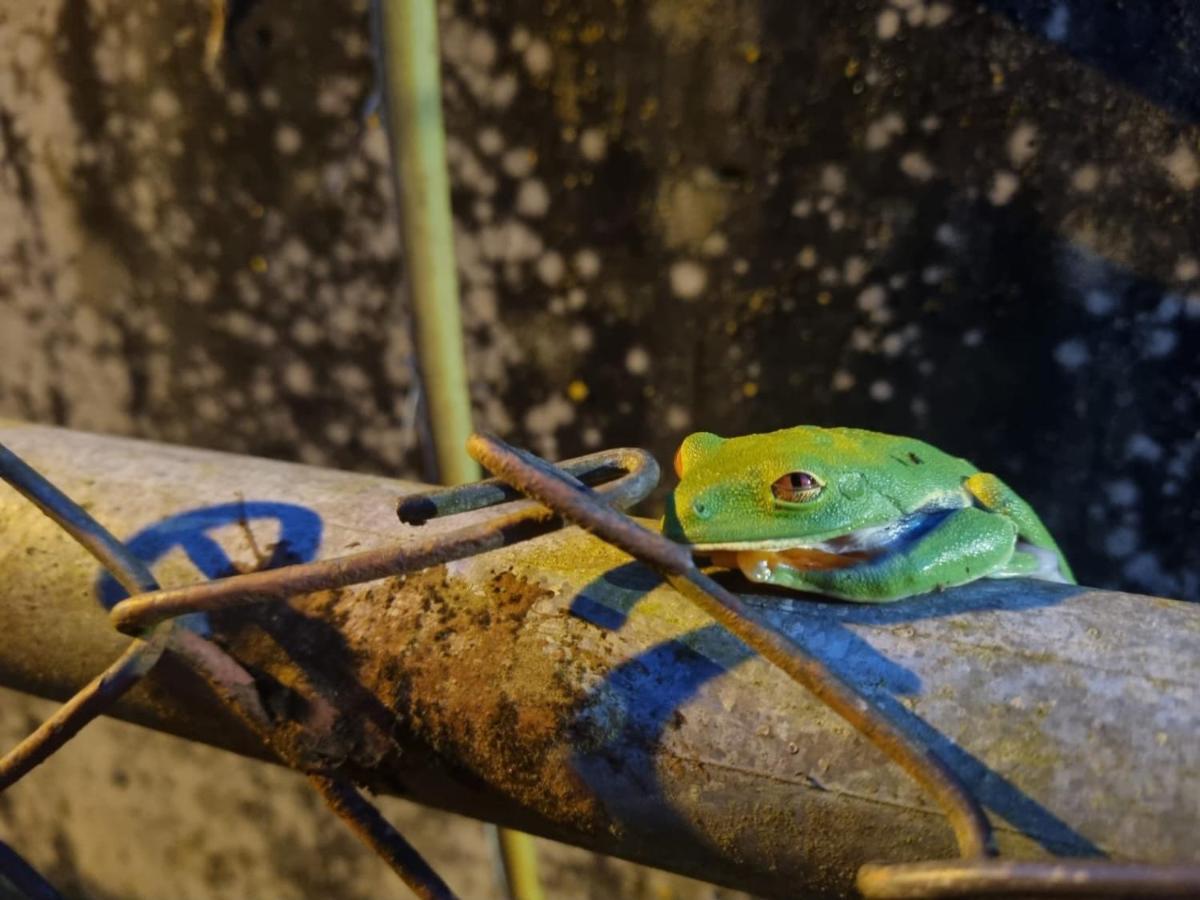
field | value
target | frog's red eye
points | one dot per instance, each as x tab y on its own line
796	487
678	463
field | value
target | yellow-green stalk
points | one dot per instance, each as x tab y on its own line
413	101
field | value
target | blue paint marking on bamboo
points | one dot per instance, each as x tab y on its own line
299	538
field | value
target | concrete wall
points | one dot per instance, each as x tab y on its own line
975	223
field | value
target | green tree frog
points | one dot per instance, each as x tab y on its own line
853	514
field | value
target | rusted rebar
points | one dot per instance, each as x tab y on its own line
154	608
378	834
1023	878
139	657
138	660
975	874
576	502
634	474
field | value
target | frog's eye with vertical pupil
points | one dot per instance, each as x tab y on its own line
678	463
796	487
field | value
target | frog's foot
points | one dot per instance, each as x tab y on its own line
1032	537
1030	561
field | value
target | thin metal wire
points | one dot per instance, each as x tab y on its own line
577	503
77	522
232	682
235	687
975	874
1041	878
632	474
636	474
378	834
137	659
136	613
93	700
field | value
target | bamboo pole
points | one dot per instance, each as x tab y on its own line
412	94
556	687
412	80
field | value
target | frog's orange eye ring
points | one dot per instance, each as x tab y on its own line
796	487
678	463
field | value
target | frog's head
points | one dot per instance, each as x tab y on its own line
796	487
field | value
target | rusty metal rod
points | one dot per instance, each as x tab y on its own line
76	521
972	876
971	829
578	503
136	613
221	670
1062	878
139	657
378	834
94	699
152	607
230	681
636	470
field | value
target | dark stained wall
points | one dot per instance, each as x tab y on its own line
974	223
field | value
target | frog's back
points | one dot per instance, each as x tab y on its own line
885	450
911	472
869	453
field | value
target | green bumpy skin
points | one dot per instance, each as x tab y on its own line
920	519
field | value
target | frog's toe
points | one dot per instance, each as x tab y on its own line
1029	561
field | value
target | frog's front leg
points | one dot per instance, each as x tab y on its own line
993	494
967	544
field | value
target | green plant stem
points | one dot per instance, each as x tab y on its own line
414	118
413	102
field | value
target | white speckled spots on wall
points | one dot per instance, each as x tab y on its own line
688	279
898	216
916	165
1182	165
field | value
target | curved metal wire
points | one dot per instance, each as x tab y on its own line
625	477
139	657
633	472
576	502
564	490
975	874
377	833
